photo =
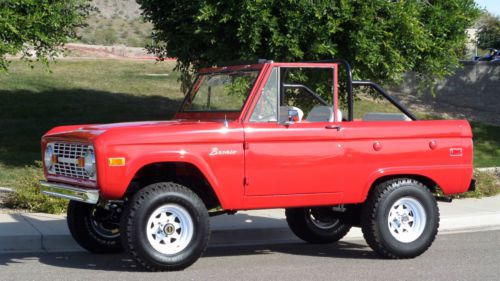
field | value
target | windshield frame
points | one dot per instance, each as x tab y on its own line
217	114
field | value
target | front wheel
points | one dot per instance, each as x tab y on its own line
94	228
316	225
165	226
400	219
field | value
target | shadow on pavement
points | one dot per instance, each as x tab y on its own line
77	260
341	250
232	236
121	262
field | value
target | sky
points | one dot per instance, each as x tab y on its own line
492	6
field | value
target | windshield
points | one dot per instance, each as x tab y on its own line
225	91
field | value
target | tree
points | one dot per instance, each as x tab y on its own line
489	32
382	39
37	29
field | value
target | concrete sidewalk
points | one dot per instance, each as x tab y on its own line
32	232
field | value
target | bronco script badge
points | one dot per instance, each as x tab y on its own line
215	151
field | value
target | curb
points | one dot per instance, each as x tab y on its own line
23	237
489	170
25	232
6	189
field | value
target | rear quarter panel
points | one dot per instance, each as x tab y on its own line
424	148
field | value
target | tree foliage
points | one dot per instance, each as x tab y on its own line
489	32
37	29
382	39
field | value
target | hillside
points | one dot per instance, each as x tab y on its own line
126	9
117	22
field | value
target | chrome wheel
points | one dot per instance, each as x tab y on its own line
406	220
170	229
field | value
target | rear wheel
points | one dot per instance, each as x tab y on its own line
400	219
316	225
94	228
165	227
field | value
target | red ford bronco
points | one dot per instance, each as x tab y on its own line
265	135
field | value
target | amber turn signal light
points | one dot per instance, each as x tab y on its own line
116	161
81	162
54	158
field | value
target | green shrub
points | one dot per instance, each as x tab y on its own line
487	184
106	36
27	194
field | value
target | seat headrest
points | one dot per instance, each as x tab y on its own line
320	113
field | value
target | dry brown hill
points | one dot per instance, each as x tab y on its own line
126	9
117	22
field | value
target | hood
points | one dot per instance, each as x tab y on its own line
105	127
140	132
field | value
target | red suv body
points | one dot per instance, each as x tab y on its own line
268	135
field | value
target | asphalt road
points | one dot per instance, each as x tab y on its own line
465	256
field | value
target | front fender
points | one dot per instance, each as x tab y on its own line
114	180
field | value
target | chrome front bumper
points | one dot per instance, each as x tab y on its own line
70	192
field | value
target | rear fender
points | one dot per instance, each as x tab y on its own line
450	179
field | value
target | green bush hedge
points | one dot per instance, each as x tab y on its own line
487	184
27	194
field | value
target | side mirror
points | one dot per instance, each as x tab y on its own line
293	116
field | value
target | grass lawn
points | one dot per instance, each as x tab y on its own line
32	101
486	145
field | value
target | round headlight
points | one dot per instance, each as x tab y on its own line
49	153
90	162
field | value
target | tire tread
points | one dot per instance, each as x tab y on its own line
76	215
369	216
130	211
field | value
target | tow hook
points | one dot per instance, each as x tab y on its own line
446	199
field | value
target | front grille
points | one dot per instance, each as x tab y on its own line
67	160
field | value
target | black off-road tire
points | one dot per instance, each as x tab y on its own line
375	217
301	223
82	226
140	209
